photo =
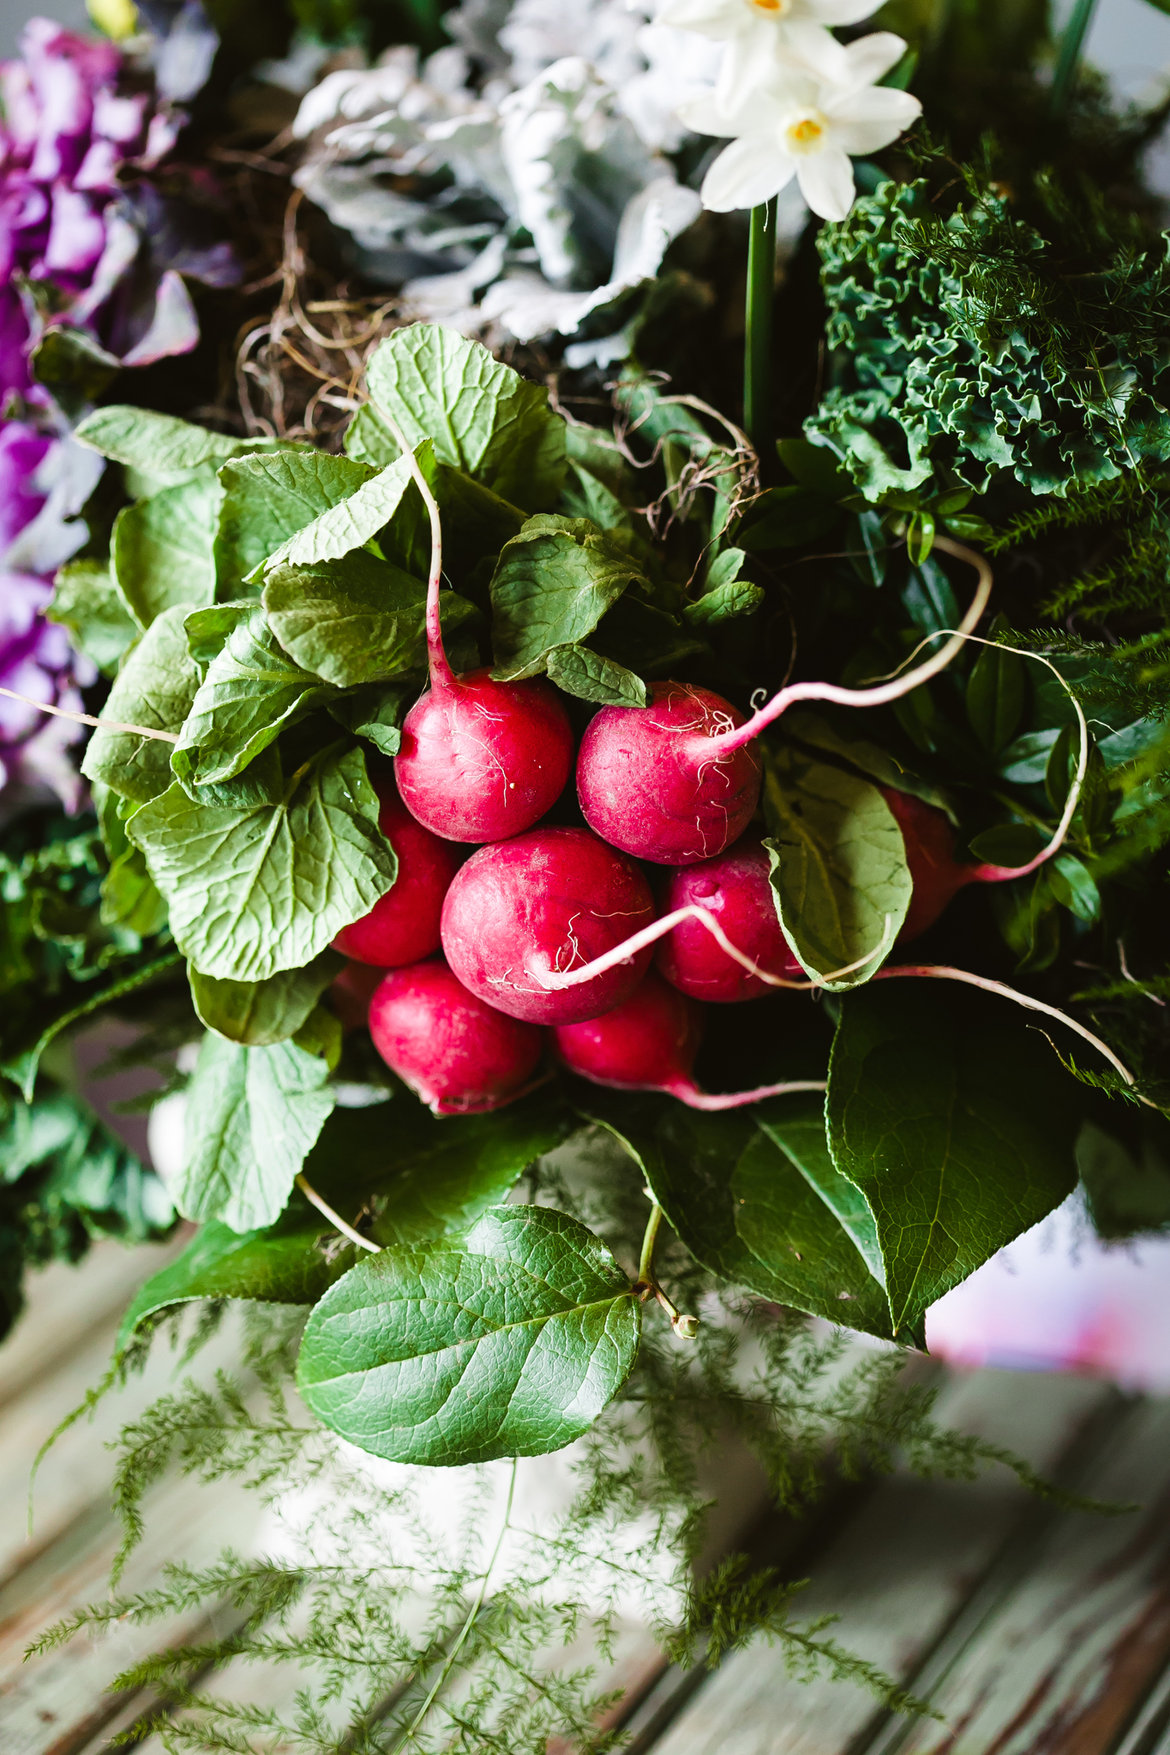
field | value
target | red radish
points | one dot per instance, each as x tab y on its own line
676	782
735	888
544	902
649	1044
351	992
403	925
650	782
461	1056
936	874
479	759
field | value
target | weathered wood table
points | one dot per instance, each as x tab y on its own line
1034	1631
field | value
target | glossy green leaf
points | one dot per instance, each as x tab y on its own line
259	1013
723	603
417	1176
954	1117
155	689
553	584
252	1117
291	1262
806	727
839	869
352	621
269	498
251	691
259	880
508	1341
482	416
162	551
591	677
86	600
754	1196
996	694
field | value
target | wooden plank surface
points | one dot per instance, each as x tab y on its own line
1062	1664
896	1574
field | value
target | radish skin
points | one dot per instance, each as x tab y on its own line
649	1044
522	911
403	925
458	1054
735	889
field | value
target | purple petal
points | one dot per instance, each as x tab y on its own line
77	234
22	450
173	328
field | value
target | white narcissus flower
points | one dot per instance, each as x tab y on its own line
806	122
756	31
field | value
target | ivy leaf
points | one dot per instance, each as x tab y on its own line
839	869
509	1341
260	877
551	587
159	444
591	677
155	689
757	1201
268	498
251	691
354	520
291	1262
482	416
257	1014
162	551
355	620
87	601
956	1121
251	1119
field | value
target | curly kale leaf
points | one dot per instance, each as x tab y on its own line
977	349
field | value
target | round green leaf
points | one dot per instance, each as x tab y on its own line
507	1341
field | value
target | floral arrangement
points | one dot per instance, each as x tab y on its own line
635	872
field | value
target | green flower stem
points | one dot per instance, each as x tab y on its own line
761	295
646	1285
1069	58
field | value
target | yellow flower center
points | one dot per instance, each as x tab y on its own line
805	135
772	5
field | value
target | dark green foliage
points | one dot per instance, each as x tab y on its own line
64	1180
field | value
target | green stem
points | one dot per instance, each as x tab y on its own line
761	297
647	1286
646	1259
1069	58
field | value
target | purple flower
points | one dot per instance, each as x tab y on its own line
37	661
86	239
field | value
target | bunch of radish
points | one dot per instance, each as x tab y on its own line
538	947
